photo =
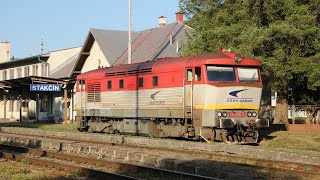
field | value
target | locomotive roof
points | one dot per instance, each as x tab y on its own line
172	64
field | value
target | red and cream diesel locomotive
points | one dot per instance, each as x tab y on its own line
210	96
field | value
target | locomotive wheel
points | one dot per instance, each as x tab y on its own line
217	135
235	139
222	136
82	129
90	130
230	139
225	137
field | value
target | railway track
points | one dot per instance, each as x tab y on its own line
18	154
86	172
297	169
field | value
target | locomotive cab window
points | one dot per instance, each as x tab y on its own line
155	80
197	73
121	83
140	82
218	73
189	75
81	85
248	74
109	84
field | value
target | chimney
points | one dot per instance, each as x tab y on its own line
162	21
4	51
179	17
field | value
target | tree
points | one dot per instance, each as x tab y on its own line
283	34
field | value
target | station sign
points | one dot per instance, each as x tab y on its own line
45	87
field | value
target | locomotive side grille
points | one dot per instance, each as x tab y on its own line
135	71
94	92
115	74
140	71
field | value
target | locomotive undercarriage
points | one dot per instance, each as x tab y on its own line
152	127
168	127
239	134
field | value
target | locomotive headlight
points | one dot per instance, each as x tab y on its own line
224	114
237	58
219	114
249	114
254	114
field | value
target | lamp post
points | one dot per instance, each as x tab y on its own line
129	32
39	58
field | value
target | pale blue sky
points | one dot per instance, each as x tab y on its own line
66	23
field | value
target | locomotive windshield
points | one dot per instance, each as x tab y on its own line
218	73
248	74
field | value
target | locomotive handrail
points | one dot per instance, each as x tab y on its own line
191	98
183	99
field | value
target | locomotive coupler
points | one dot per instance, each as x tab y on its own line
251	127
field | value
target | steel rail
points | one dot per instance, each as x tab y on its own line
108	164
87	172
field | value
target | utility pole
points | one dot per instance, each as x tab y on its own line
129	32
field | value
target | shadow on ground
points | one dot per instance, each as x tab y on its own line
264	134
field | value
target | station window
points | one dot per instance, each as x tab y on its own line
26	71
121	83
11	104
35	70
155	80
44	69
197	73
4	75
109	84
19	73
11	74
140	82
189	75
18	105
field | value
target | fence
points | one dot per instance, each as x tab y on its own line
305	127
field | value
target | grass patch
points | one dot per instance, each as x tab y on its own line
304	143
263	174
23	171
317	138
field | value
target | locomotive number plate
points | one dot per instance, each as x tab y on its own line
236	114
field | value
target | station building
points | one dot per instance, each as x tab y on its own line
102	48
17	102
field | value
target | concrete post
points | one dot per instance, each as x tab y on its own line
293	114
20	102
38	107
5	107
72	98
65	105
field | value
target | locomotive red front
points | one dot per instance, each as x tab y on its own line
213	96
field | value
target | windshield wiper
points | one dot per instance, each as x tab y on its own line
254	74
